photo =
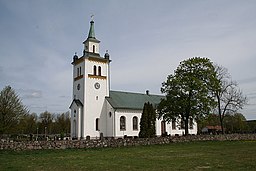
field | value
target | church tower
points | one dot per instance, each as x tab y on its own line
90	87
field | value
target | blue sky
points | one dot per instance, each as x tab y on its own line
146	40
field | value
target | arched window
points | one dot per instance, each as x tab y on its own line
135	123
94	70
182	124
93	48
80	72
191	123
122	123
74	113
77	74
99	71
97	124
174	124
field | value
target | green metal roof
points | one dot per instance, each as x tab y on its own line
127	100
91	31
91	35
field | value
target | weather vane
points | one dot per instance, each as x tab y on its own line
92	17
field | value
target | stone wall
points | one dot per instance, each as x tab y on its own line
65	144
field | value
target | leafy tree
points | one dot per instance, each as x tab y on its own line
209	120
11	110
251	126
62	123
28	124
235	123
147	122
46	122
188	91
229	97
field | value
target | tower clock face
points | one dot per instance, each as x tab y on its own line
97	85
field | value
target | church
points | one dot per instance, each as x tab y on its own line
98	111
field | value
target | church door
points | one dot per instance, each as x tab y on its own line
74	129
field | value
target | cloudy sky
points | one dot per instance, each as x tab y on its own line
146	40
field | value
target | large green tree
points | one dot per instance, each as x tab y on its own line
228	96
11	110
188	91
147	121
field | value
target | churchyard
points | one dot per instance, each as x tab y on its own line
199	155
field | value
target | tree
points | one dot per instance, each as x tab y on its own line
209	120
229	97
46	119
147	122
251	126
235	123
11	109
188	92
63	123
28	124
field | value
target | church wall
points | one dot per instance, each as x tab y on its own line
158	127
78	94
109	115
128	114
95	45
94	101
179	131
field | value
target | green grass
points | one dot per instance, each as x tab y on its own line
234	155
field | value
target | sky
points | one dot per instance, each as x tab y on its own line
146	40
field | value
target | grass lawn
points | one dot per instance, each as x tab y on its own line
234	155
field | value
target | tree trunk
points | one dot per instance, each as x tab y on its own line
220	116
186	125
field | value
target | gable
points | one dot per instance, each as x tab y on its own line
77	103
127	100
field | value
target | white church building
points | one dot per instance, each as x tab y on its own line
98	111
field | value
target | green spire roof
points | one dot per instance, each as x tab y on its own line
91	31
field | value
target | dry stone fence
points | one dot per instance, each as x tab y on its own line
111	142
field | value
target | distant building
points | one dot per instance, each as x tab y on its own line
212	130
97	111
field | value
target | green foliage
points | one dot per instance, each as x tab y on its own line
209	120
11	110
15	117
235	123
147	122
62	123
46	122
28	124
54	123
251	126
188	91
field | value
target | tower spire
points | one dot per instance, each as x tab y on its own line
91	44
91	31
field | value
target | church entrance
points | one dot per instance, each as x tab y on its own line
163	128
74	129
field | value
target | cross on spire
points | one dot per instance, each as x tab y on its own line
92	17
